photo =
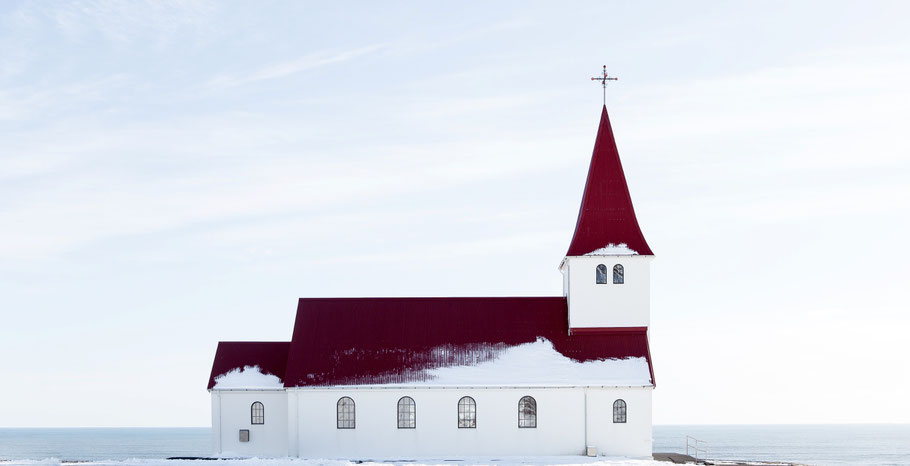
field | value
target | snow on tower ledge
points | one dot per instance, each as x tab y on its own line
621	249
606	217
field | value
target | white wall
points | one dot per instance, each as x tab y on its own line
561	425
634	437
609	304
231	412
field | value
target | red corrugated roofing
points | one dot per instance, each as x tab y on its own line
355	341
270	356
606	214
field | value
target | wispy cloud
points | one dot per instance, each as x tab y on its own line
288	68
124	24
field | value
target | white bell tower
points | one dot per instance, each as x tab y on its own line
606	272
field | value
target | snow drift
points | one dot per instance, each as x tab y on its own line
249	377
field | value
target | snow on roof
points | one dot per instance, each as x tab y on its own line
436	341
271	357
398	341
539	364
621	249
248	377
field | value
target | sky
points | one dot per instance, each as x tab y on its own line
177	173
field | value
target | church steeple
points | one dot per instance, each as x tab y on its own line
606	215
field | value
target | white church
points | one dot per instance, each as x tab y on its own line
394	378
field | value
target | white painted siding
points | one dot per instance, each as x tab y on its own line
308	428
634	437
609	304
269	439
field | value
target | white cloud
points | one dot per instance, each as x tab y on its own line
291	67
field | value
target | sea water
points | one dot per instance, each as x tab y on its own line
808	444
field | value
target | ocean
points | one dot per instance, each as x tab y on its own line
877	444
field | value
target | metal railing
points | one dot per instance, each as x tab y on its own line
696	446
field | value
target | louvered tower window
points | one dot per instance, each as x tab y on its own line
601	274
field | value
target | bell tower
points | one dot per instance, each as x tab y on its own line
606	271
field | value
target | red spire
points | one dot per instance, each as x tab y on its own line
606	215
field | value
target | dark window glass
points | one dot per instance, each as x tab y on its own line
407	413
619	411
345	413
618	274
527	412
601	274
257	413
467	413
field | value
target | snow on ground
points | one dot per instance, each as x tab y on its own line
539	364
621	249
248	377
529	460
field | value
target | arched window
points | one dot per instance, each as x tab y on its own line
257	413
467	413
618	274
345	413
527	412
407	413
601	274
619	411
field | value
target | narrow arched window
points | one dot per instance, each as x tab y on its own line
467	413
619	411
601	274
257	413
407	413
345	413
618	274
527	412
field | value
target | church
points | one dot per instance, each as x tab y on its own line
393	378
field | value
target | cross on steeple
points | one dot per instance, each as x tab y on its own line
603	78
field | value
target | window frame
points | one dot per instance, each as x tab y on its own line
622	274
620	411
339	413
464	412
412	411
533	402
253	415
600	274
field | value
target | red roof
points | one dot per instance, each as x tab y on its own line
606	215
354	341
358	341
270	356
